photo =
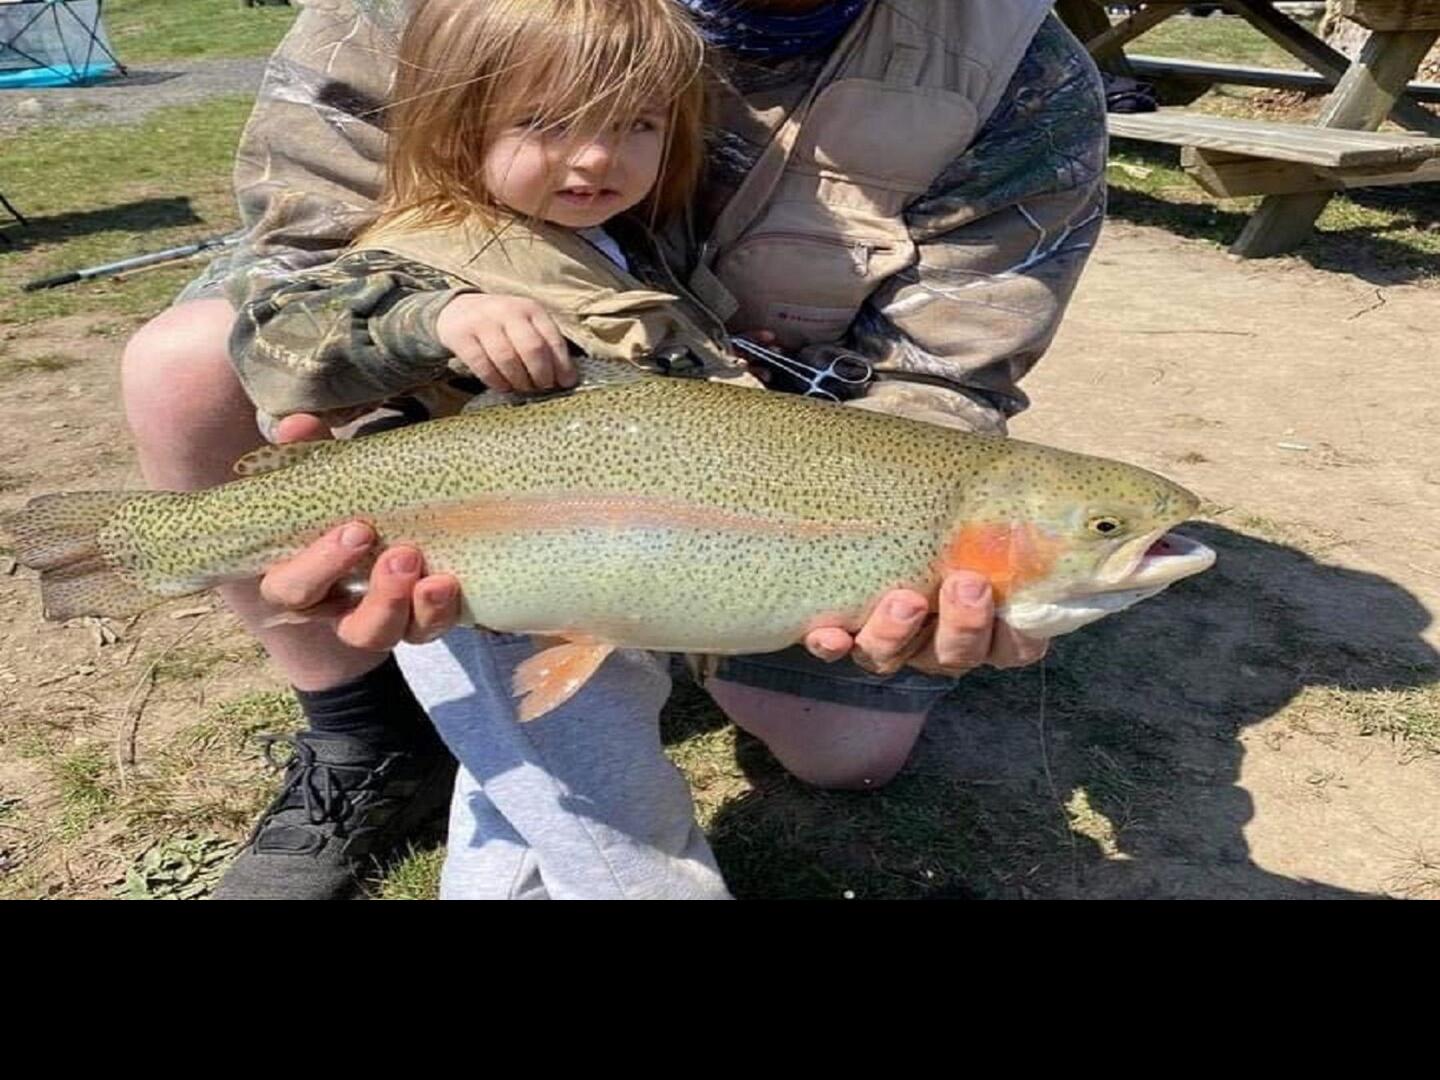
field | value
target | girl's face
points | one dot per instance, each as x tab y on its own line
576	180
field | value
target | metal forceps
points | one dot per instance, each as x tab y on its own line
844	377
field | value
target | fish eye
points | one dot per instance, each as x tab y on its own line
1105	525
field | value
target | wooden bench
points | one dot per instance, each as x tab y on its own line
1231	157
1298	168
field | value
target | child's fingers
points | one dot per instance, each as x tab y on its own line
475	359
565	373
504	359
534	353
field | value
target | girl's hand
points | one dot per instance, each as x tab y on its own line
510	342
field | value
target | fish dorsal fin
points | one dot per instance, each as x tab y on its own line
269	458
554	675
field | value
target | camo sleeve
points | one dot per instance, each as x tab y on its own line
355	332
309	165
1003	235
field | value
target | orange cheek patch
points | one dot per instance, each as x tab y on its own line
1009	554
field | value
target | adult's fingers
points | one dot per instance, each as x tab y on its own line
306	579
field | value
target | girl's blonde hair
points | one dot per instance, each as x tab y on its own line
469	69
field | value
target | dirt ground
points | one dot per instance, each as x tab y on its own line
1224	740
1302	405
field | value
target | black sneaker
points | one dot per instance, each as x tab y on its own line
346	808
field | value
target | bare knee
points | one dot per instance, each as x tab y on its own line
869	773
840	747
188	414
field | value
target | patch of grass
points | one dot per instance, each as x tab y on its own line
212	775
1394	229
415	877
1417	877
177	868
1090	823
1217	39
86	788
266	710
166	182
146	30
19	365
28	742
198	661
1411	715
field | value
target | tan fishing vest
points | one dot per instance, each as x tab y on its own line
814	228
605	311
818	224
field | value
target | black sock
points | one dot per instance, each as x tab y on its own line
377	708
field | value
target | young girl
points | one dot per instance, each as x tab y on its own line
533	147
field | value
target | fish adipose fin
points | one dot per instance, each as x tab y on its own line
59	535
553	676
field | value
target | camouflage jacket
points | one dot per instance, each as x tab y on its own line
1003	232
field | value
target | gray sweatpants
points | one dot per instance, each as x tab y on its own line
579	804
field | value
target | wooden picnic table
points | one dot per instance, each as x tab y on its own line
1297	167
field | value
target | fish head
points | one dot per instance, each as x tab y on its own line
1066	539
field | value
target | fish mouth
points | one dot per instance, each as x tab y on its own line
1155	561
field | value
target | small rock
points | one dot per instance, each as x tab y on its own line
59	423
7	565
30	107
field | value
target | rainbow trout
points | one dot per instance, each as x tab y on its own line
652	513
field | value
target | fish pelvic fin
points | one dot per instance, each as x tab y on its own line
59	535
554	675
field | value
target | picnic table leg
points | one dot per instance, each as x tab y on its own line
1323	57
1361	101
1087	20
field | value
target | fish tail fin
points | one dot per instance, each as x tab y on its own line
59	535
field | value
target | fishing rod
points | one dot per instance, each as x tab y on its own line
184	251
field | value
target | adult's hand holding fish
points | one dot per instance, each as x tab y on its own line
963	636
404	604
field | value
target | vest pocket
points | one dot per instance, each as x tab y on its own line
876	134
804	288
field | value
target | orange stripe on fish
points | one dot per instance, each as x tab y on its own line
1010	554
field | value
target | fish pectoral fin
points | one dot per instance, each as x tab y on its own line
554	675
